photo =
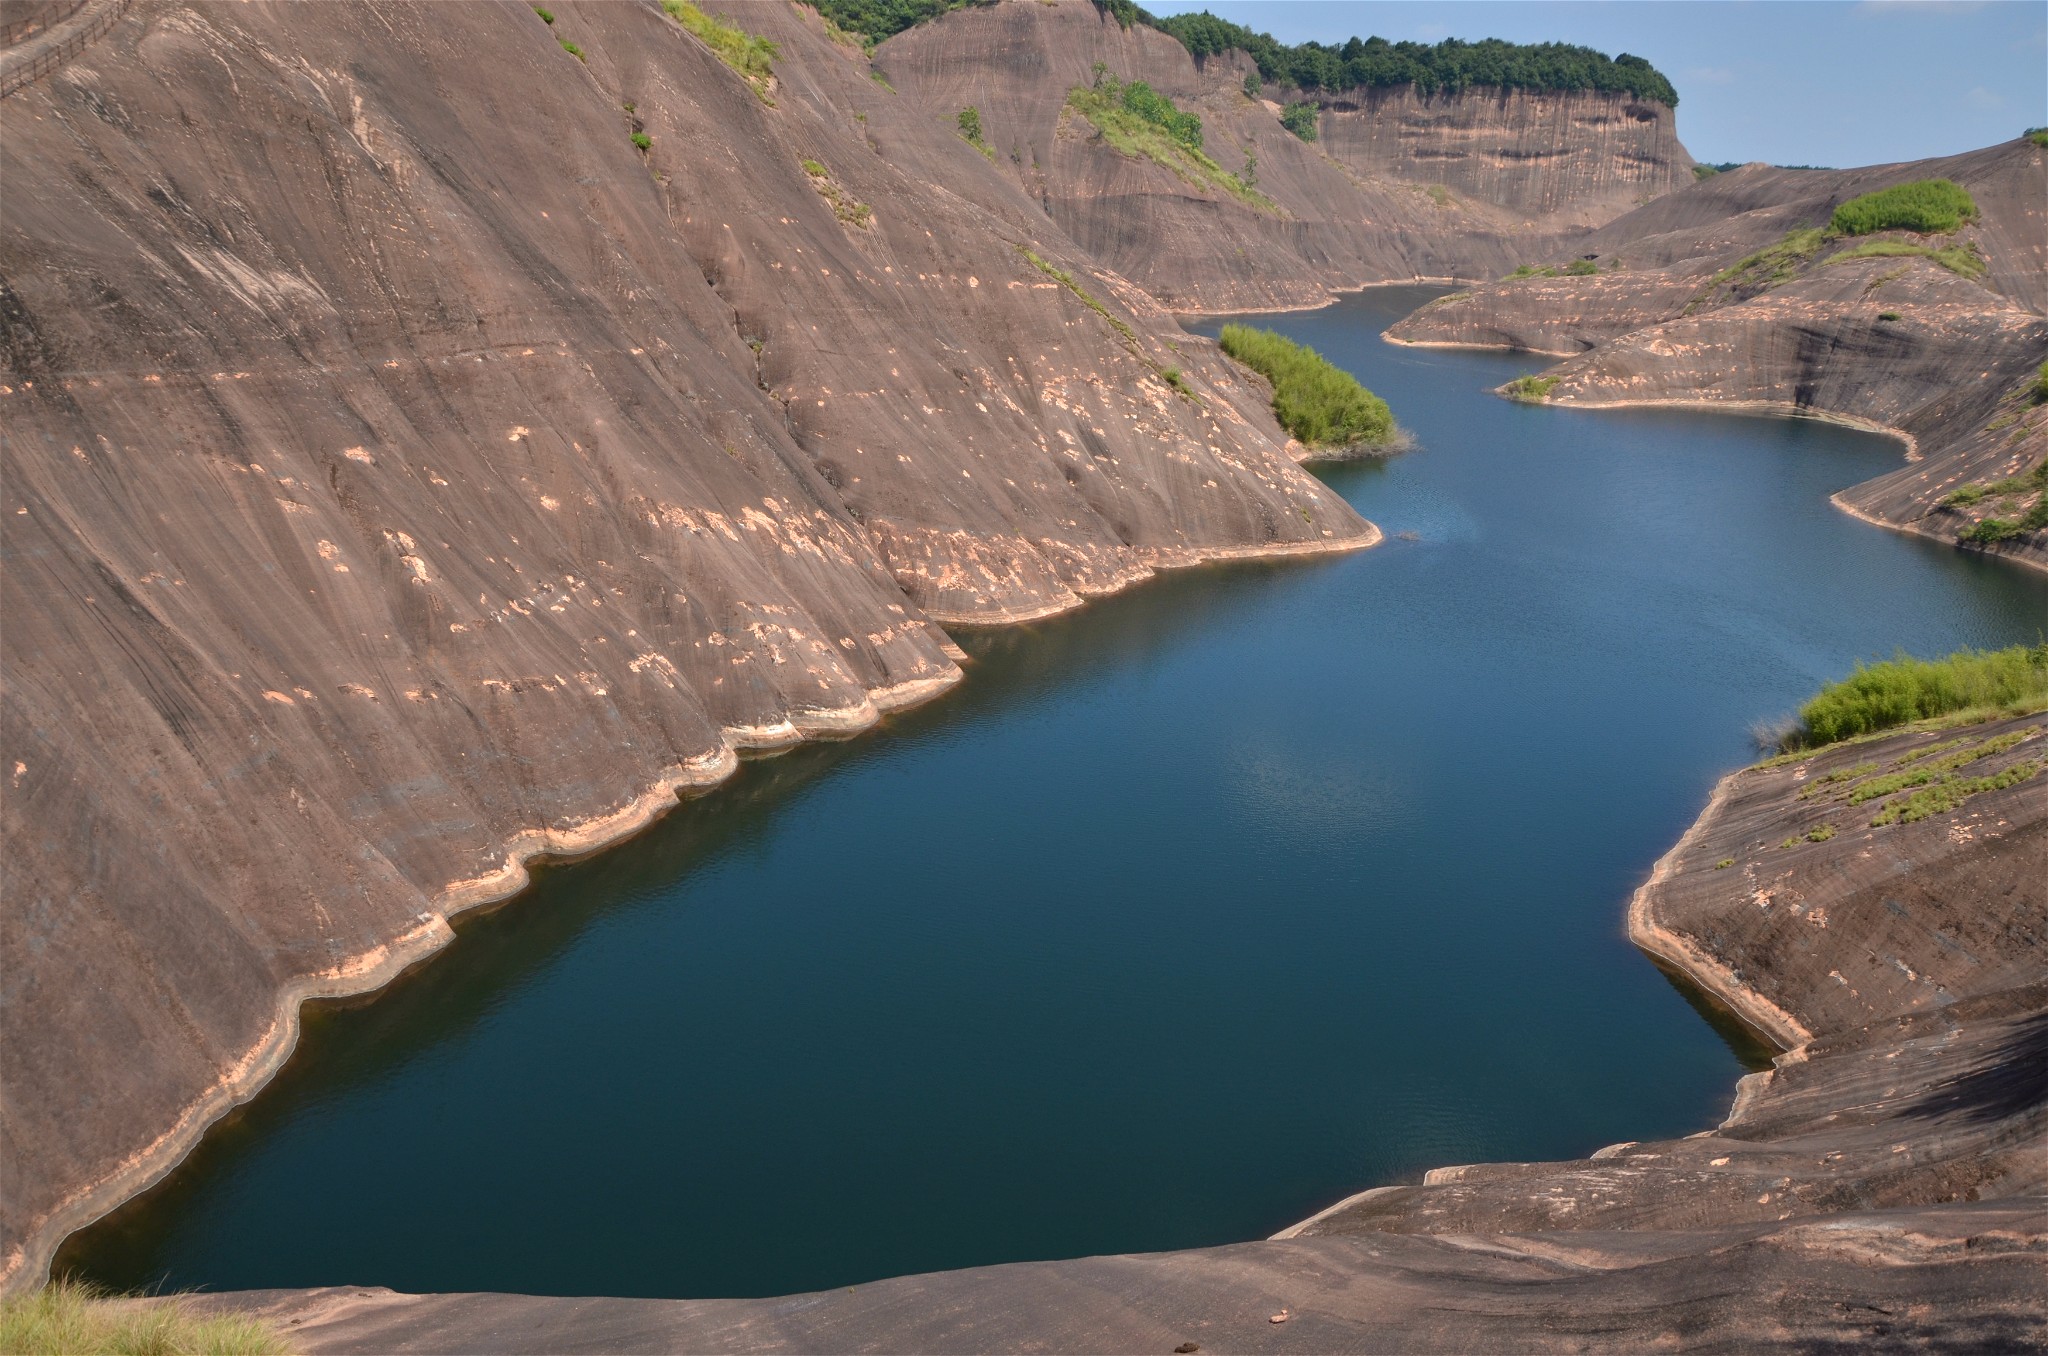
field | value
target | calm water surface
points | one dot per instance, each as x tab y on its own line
1182	918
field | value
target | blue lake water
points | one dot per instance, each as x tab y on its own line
1183	917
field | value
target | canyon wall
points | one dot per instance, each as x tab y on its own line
1397	187
407	474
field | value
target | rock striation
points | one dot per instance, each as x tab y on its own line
408	474
1896	342
1397	186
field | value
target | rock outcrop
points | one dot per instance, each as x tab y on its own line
1898	342
1880	1186
1398	185
408	474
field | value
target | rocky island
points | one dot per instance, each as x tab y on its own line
435	438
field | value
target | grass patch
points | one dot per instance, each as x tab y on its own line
1066	280
1881	696
843	206
1945	796
753	57
1934	771
1925	207
642	141
2037	135
1961	260
70	1317
2011	495
545	16
1769	266
1821	786
572	49
1577	268
1322	405
1530	389
1137	122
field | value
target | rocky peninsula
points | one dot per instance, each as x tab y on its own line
437	438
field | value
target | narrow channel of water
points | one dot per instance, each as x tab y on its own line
1184	917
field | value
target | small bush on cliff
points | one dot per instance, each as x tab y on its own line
1530	389
1300	119
545	17
1319	403
1925	206
753	57
2037	135
1253	87
1880	696
68	1317
970	131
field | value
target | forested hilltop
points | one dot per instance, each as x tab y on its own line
1366	63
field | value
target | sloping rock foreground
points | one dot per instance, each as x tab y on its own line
408	474
1880	1187
1900	342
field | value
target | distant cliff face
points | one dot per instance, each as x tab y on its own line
1578	158
1398	187
407	473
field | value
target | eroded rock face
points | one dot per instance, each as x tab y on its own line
406	474
1899	342
1397	187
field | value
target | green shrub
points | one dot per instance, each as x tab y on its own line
1889	315
2040	388
1925	206
572	49
1530	389
642	140
1148	127
2037	135
69	1317
814	169
1880	696
1581	268
545	17
970	130
1253	88
753	57
1300	119
1320	404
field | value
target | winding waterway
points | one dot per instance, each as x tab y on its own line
1183	917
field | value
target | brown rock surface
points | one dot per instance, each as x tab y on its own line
1398	186
406	475
1897	343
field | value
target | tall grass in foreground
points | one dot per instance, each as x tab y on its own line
1879	696
1320	404
79	1320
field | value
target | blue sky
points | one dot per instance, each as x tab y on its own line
1794	82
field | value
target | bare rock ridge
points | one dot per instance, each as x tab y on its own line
1899	342
1880	1187
1397	186
406	475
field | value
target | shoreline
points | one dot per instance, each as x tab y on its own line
371	971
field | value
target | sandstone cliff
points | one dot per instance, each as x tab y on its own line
1899	342
1397	186
407	474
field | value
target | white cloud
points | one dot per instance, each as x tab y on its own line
1980	97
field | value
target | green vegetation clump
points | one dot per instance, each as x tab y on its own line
1530	389
572	49
1946	795
545	17
970	130
2011	493
2037	135
1962	260
1880	696
753	57
1136	121
843	206
1320	404
2040	387
1925	206
1889	315
1300	119
1253	86
875	20
642	140
68	1317
1772	264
